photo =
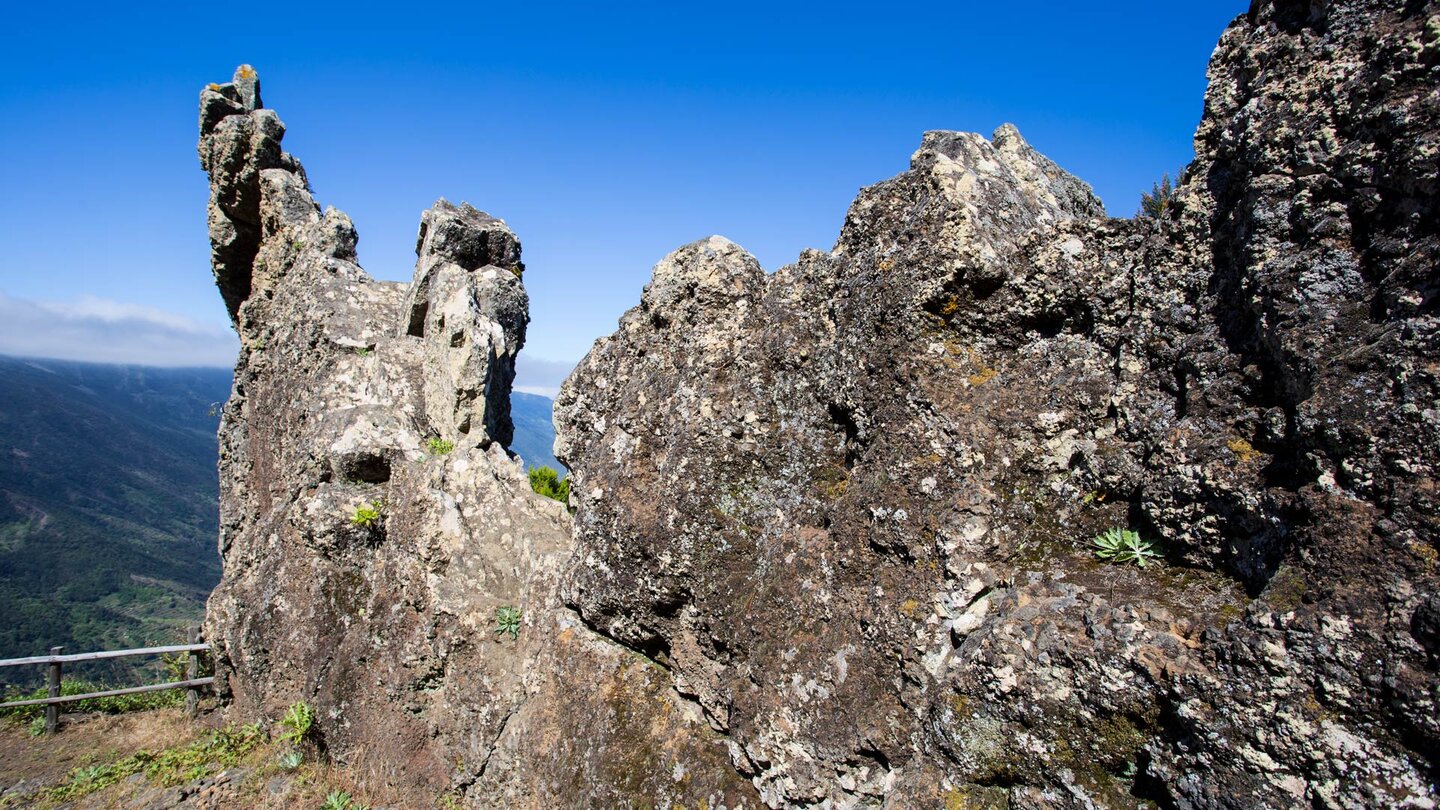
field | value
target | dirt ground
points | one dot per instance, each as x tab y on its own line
29	764
85	740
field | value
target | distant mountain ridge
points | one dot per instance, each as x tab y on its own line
108	500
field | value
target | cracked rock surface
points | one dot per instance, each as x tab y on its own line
831	539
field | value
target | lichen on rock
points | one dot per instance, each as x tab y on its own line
832	533
386	624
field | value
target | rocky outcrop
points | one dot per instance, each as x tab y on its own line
372	522
885	464
831	541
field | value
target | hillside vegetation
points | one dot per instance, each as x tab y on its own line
108	509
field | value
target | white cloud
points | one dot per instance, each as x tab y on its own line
536	375
103	331
99	330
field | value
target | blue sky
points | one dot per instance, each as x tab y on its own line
606	135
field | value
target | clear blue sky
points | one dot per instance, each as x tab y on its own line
606	135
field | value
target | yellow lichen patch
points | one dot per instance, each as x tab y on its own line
961	705
975	797
1426	552
1242	449
982	376
909	607
885	265
213	86
246	72
950	307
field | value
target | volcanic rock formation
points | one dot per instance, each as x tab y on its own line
364	564
831	533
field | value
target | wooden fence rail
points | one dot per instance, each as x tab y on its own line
56	662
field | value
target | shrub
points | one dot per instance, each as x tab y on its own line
340	800
1158	201
298	722
438	446
1124	545
507	620
367	514
116	704
547	482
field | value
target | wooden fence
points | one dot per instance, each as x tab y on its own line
56	662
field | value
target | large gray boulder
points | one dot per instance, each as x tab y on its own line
850	505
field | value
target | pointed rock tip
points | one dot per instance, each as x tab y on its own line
247	83
467	236
1006	133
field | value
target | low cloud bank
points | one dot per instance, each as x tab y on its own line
536	375
99	330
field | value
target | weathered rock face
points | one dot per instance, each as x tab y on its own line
387	625
849	505
831	540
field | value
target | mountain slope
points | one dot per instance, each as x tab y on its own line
534	430
107	503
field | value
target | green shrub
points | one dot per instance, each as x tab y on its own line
367	514
547	482
1124	545
1158	201
507	620
340	800
438	446
117	704
298	722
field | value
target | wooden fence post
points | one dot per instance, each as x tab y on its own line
192	671
52	710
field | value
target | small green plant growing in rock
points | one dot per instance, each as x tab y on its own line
367	514
1159	199
290	760
364	351
507	620
1124	545
298	722
547	482
340	800
438	446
